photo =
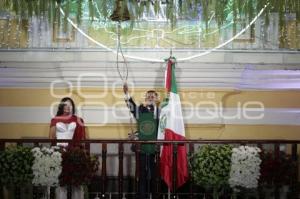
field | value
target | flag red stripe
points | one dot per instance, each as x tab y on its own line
166	160
169	76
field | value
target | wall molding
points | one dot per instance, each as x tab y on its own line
101	116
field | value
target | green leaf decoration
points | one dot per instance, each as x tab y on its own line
91	10
67	14
174	9
204	4
156	7
103	7
141	9
148	6
79	12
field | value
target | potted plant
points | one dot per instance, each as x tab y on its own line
277	170
245	170
210	167
15	168
78	168
46	169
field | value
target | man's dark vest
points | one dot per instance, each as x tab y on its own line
147	130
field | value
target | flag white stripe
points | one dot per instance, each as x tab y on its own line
175	120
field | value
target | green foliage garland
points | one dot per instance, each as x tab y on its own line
184	8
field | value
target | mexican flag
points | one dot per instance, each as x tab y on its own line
171	127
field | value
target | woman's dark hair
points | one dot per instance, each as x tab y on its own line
60	110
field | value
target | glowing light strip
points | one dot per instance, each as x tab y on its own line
227	42
160	60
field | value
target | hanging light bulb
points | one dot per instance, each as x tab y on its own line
120	12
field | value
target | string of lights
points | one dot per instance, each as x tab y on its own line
162	60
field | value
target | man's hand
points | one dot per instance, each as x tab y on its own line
125	88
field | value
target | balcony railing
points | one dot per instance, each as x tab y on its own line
122	189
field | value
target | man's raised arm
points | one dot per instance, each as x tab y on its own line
129	101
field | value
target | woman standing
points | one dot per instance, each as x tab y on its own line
66	125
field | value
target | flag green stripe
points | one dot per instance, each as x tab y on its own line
173	81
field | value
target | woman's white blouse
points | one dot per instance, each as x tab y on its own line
65	131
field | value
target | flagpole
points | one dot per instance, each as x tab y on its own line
167	95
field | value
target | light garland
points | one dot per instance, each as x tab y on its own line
159	60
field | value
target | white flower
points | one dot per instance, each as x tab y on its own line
245	167
46	166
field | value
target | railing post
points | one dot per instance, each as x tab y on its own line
2	146
191	151
121	155
69	192
174	166
277	154
36	144
19	142
52	192
35	194
2	191
137	169
87	146
17	192
103	172
260	190
295	188
157	172
53	142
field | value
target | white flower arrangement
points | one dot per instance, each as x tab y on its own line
245	167
46	166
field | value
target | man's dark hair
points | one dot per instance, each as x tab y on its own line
152	91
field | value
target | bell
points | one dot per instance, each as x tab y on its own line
121	12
